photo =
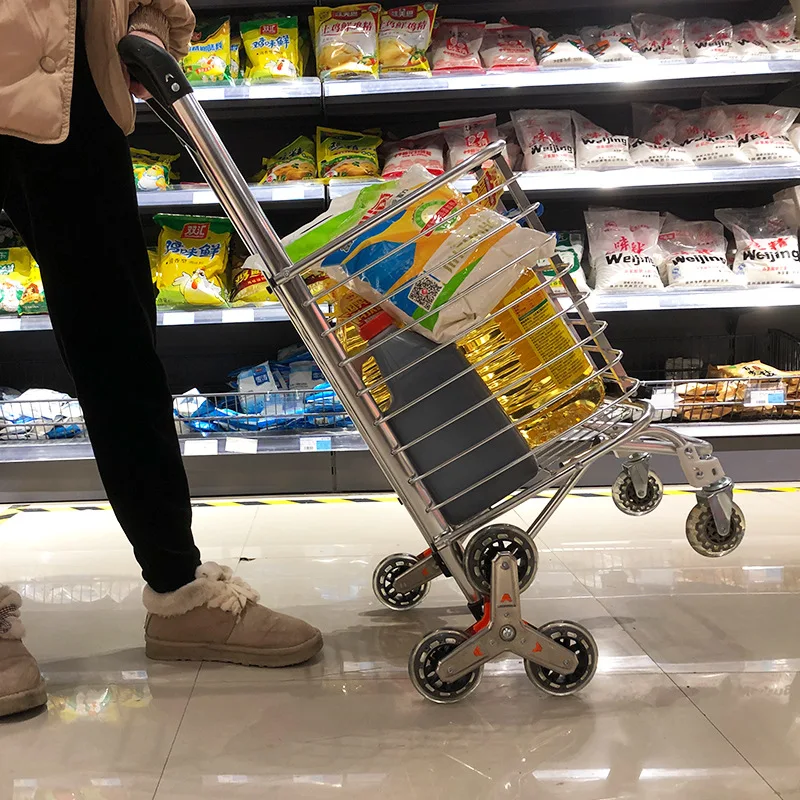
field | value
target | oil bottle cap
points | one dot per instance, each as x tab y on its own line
375	325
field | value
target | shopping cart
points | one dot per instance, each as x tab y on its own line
456	490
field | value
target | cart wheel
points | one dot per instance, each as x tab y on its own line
628	502
577	639
485	545
427	656
703	536
383	583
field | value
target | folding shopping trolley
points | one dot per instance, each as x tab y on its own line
455	458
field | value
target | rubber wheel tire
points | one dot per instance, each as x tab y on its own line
703	536
426	657
484	547
383	583
628	502
577	639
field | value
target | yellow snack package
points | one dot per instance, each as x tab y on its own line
152	255
272	47
347	41
32	300
15	274
192	258
152	171
347	154
209	56
249	285
236	57
295	162
404	38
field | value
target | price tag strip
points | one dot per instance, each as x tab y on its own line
756	397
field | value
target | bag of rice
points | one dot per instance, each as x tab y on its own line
465	137
659	38
347	41
272	47
597	148
347	154
654	142
508	47
763	133
707	134
456	45
209	56
709	38
609	45
424	149
623	246
546	139
565	51
746	41
766	243
404	38
779	34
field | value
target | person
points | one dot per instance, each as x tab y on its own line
66	183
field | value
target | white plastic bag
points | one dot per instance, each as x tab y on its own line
508	47
513	153
766	243
425	149
654	143
707	134
623	246
456	45
597	148
569	249
659	38
779	34
566	51
546	139
613	44
762	133
746	41
465	137
694	255
709	38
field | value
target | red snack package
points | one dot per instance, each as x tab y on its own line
456	45
507	47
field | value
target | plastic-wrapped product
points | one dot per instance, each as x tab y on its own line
152	171
763	133
347	41
33	300
616	43
623	246
272	47
565	51
659	38
654	143
347	154
709	38
508	47
597	148
456	45
546	138
766	243
747	42
465	137
15	273
209	56
425	149
707	134
569	249
794	136
694	254
779	34
295	162
404	38
508	134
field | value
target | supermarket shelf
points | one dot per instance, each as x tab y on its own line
670	300
293	194
720	430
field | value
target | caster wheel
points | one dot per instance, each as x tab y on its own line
383	583
427	656
628	502
577	639
703	536
485	545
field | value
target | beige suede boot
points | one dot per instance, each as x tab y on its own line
216	617
21	684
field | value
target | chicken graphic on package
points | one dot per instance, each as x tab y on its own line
198	290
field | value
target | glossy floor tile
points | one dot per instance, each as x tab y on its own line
697	693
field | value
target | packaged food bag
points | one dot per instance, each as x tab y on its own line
295	162
507	47
623	246
569	249
347	154
424	149
659	38
249	285
192	258
404	38
779	34
347	41
152	171
747	42
766	243
762	132
209	56
272	47
33	300
513	153
614	44
546	138
654	142
15	275
709	38
695	255
466	137
597	148
456	45
237	67
707	134
565	51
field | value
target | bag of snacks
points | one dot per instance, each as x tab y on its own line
249	283
192	258
424	149
15	275
347	41
33	300
709	38
546	139
659	38
766	243
404	38
597	148
295	162
456	45
779	34
608	45
654	142
465	137
566	51
762	133
152	171
236	67
707	134
746	41
272	48
507	47
623	246
347	154
209	56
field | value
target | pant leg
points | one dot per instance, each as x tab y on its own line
75	206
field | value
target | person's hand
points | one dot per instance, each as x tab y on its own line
136	88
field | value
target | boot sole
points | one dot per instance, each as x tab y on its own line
23	701
229	654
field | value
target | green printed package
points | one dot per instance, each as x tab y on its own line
347	154
569	248
295	162
15	275
209	56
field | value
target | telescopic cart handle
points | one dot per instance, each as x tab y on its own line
153	67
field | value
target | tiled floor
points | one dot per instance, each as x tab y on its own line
697	694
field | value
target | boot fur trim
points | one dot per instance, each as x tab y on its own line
214	586
10	623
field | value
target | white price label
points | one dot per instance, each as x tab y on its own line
765	397
10	324
238	315
210	94
200	447
315	444
663	401
641	303
241	445
280	193
204	198
178	318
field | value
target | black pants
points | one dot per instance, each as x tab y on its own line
75	206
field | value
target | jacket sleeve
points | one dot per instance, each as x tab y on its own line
171	20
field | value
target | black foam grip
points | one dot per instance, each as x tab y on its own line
154	68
